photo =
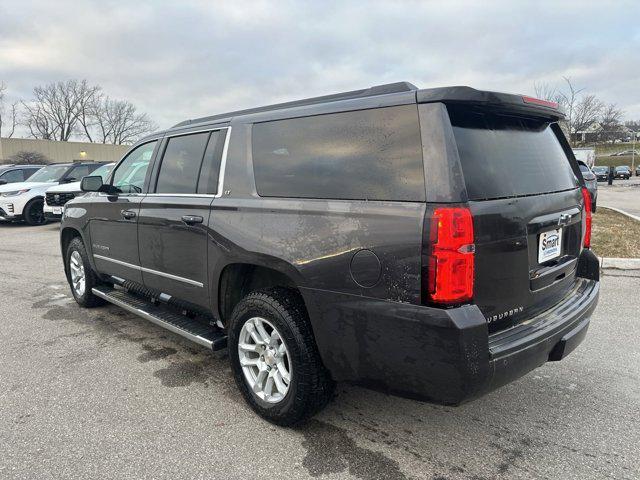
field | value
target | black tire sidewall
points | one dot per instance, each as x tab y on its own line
87	299
27	211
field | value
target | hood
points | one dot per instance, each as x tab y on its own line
12	187
65	188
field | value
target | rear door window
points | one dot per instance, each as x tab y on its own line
362	155
210	171
507	156
78	172
181	163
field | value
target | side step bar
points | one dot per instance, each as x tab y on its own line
205	335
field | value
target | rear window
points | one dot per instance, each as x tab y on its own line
507	156
181	163
363	155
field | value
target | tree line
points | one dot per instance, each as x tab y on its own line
585	112
73	108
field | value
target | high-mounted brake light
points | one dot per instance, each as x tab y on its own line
451	261
586	242
539	101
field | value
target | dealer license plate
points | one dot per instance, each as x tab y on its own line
57	210
549	245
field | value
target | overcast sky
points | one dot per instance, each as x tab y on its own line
183	59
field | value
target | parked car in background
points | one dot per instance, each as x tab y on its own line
591	182
624	153
386	236
17	173
601	173
25	200
55	197
638	171
622	171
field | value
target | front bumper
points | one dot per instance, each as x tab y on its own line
52	213
443	356
7	211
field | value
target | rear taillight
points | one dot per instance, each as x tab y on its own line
586	242
451	256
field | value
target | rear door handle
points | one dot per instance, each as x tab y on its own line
128	214
192	219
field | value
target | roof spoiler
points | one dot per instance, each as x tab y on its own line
497	100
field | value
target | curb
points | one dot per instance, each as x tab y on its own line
620	263
621	211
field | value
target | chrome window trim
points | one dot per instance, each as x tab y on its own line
192	195
151	271
182	134
223	164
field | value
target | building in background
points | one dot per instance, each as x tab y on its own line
57	152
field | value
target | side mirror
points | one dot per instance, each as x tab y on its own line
91	184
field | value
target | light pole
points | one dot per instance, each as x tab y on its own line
633	155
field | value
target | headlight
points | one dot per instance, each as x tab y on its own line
14	194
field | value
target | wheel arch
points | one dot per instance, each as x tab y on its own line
238	279
67	234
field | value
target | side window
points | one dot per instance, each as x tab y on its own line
12	176
210	171
371	154
77	173
181	163
130	173
29	171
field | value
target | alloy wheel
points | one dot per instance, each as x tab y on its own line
76	267
265	360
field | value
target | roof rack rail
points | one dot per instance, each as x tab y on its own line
388	88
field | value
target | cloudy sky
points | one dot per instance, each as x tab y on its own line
184	59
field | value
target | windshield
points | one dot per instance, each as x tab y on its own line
52	173
620	169
103	172
599	169
507	155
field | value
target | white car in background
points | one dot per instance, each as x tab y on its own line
25	200
56	196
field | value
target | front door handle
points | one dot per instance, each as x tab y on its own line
128	214
192	219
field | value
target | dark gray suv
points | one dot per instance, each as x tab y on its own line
430	243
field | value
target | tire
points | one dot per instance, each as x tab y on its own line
33	213
77	253
310	386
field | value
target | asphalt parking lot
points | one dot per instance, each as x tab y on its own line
623	194
103	394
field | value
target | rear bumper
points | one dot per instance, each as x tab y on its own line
443	356
550	336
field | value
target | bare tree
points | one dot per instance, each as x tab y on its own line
119	122
24	157
38	122
610	121
57	107
13	115
586	113
546	91
568	101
